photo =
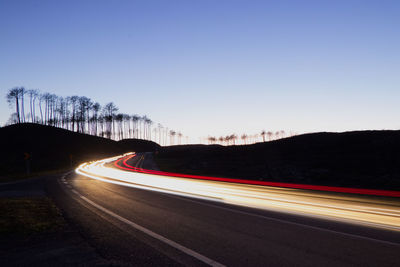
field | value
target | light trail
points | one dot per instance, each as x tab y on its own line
376	212
362	191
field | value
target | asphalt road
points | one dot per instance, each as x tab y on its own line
140	227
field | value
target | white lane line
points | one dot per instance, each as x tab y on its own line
185	250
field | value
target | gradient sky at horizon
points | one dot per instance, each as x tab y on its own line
213	67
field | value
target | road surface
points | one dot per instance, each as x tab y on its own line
139	226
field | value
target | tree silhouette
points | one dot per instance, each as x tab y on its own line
212	140
109	110
40	99
221	140
244	137
277	134
22	93
81	114
148	123
180	138
73	100
32	97
233	137
270	134
127	125
160	127
172	134
13	98
135	119
96	109
263	133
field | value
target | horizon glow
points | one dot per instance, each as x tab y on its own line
213	67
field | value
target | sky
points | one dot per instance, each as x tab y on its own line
212	67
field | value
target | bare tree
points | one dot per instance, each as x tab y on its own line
228	140
13	98
89	106
233	137
101	122
270	134
149	123
212	139
172	134
160	127
46	98
179	138
81	114
135	119
31	94
110	110
73	100
84	105
119	119
22	93
41	98
263	133
96	109
244	137
221	139
277	134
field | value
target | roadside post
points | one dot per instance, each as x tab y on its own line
27	158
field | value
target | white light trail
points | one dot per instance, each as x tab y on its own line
376	212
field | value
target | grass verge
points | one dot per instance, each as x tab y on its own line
26	216
22	176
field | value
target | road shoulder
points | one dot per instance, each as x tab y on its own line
35	232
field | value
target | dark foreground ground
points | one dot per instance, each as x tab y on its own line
363	159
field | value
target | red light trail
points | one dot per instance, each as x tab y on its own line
374	192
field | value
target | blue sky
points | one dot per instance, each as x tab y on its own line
213	67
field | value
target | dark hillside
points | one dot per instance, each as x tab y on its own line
138	145
369	159
54	148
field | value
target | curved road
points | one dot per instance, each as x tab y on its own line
136	227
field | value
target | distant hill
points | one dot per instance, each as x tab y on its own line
54	148
138	145
365	159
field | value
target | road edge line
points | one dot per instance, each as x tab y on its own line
161	238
